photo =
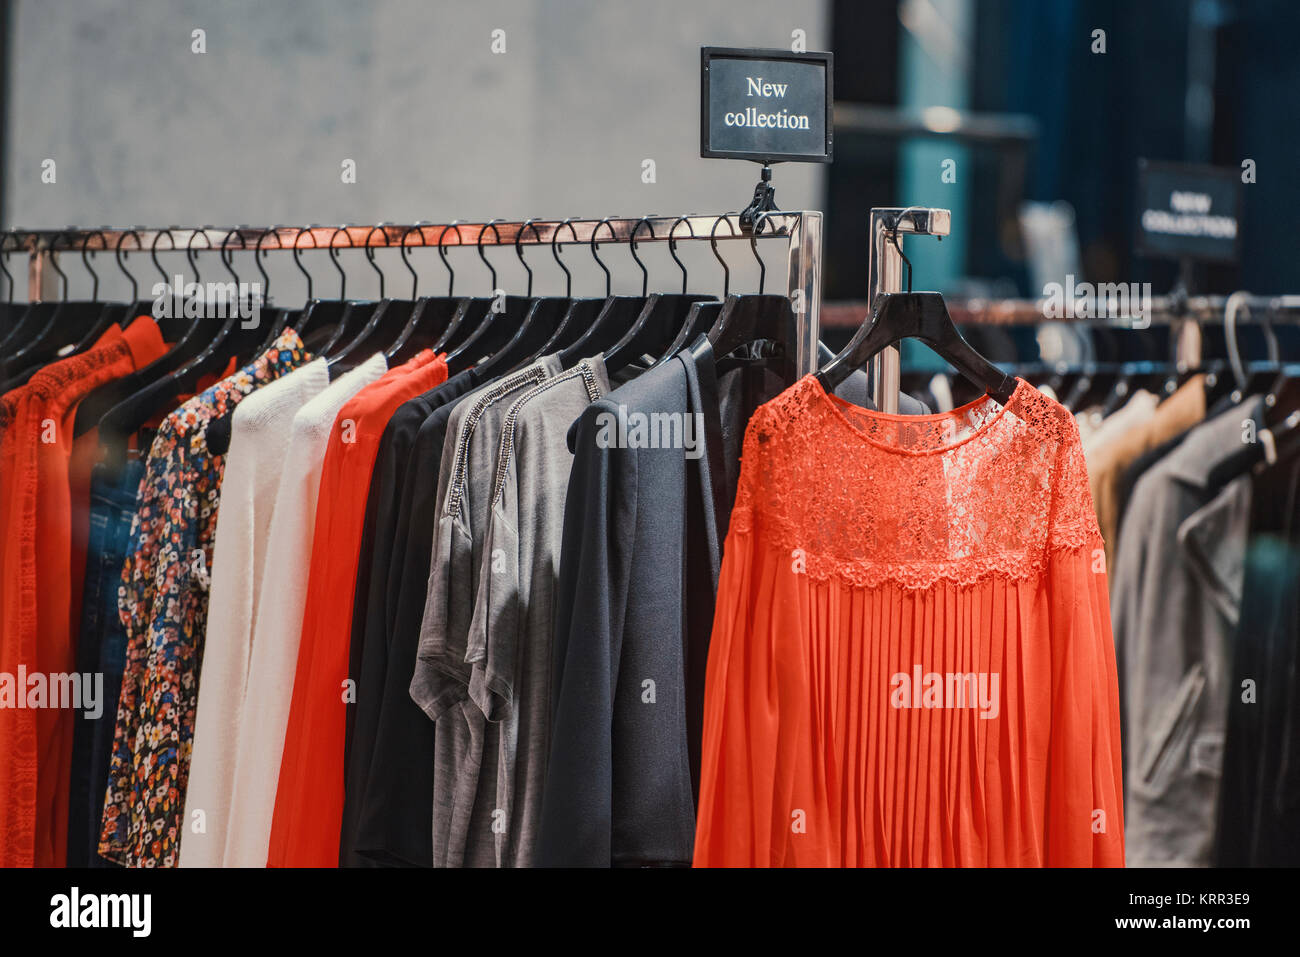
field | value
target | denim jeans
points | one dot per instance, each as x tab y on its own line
101	647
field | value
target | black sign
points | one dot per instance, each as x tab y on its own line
1188	212
765	105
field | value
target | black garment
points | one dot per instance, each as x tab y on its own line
372	783
1259	798
641	553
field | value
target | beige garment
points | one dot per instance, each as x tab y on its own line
1109	460
1140	407
1089	420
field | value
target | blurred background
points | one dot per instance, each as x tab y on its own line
1040	131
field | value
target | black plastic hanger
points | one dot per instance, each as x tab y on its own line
273	319
111	313
505	324
662	319
26	318
1277	381
177	324
234	339
1278	442
616	316
765	325
701	317
577	314
242	301
424	325
451	312
10	311
34	323
544	328
915	315
66	331
34	318
385	326
319	319
186	335
355	316
1268	377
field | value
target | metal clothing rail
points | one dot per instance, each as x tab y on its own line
1165	310
802	231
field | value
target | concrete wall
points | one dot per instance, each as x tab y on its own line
255	130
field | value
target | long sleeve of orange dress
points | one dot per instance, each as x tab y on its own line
911	661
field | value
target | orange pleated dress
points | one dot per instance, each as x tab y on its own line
911	662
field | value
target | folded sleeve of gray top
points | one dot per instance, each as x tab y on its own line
640	555
1175	603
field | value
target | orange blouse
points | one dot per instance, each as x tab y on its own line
911	661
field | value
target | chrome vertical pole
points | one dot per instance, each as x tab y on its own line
804	284
885	274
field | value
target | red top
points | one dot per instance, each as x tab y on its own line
911	661
37	502
309	796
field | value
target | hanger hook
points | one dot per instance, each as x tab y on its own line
189	248
227	259
442	253
370	254
893	238
1274	353
519	251
54	262
759	219
1230	309
401	251
595	245
555	251
672	244
334	257
259	254
153	251
645	273
297	254
531	224
94	276
490	224
713	244
118	255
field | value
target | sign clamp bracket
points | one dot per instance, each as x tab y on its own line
764	201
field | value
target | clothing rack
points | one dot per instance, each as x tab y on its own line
802	231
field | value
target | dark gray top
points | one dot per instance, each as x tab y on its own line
1175	600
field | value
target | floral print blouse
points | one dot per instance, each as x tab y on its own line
163	602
